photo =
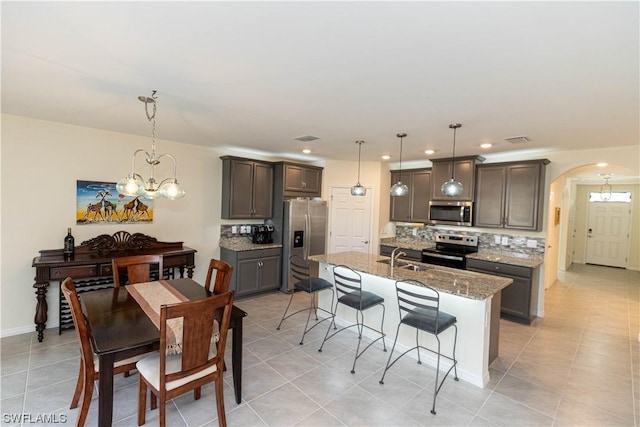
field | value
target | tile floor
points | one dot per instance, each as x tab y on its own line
579	366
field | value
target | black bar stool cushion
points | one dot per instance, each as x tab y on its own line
313	284
426	320
369	299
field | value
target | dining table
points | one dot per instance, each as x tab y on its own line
121	329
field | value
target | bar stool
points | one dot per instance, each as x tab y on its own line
301	273
349	289
421	303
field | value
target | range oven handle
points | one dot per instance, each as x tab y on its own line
434	255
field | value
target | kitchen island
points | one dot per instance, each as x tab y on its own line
474	298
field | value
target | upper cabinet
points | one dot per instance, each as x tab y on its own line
465	168
414	207
299	180
247	188
510	195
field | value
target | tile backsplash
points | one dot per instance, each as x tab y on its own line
488	242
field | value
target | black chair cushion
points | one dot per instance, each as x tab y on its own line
313	284
369	299
425	320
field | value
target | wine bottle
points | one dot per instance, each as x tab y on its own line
69	245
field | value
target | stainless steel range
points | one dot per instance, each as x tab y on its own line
450	250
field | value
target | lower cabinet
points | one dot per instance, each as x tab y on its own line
519	299
254	271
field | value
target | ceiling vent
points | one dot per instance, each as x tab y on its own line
306	138
517	139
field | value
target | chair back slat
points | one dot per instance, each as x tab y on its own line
197	333
223	272
346	280
300	269
138	268
416	296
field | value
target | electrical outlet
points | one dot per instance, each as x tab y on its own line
496	239
532	243
415	231
234	229
243	229
505	241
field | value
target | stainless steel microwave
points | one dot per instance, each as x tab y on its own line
451	213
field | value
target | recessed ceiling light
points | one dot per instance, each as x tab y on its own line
486	145
386	157
601	165
429	151
306	151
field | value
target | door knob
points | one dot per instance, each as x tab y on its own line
366	242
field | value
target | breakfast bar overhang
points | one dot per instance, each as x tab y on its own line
474	299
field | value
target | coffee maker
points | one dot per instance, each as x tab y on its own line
262	234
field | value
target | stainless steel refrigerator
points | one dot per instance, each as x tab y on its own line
304	233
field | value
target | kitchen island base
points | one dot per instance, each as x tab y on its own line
477	320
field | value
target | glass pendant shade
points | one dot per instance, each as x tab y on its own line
452	188
130	186
358	189
399	189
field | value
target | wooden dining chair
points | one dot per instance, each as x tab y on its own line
138	268
201	361
223	273
89	370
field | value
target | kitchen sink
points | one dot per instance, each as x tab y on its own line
405	265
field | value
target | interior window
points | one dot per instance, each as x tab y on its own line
616	196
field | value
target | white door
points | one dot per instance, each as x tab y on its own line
350	221
608	233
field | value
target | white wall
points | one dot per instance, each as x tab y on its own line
41	162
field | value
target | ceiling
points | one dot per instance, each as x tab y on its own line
255	75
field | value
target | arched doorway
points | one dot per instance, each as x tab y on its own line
567	225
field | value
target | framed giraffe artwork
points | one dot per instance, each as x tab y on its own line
100	203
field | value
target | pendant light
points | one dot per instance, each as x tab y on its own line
399	189
358	189
452	187
605	190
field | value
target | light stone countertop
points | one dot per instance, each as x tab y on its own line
521	260
239	244
464	283
503	257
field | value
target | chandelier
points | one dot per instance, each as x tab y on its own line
399	189
452	187
135	184
358	189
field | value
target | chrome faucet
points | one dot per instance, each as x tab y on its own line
395	256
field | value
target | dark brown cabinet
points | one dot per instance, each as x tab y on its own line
510	195
465	169
414	207
301	180
519	299
247	188
254	271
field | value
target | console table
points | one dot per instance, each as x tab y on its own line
92	262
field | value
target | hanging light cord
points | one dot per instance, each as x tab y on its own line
400	178
453	159
359	149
